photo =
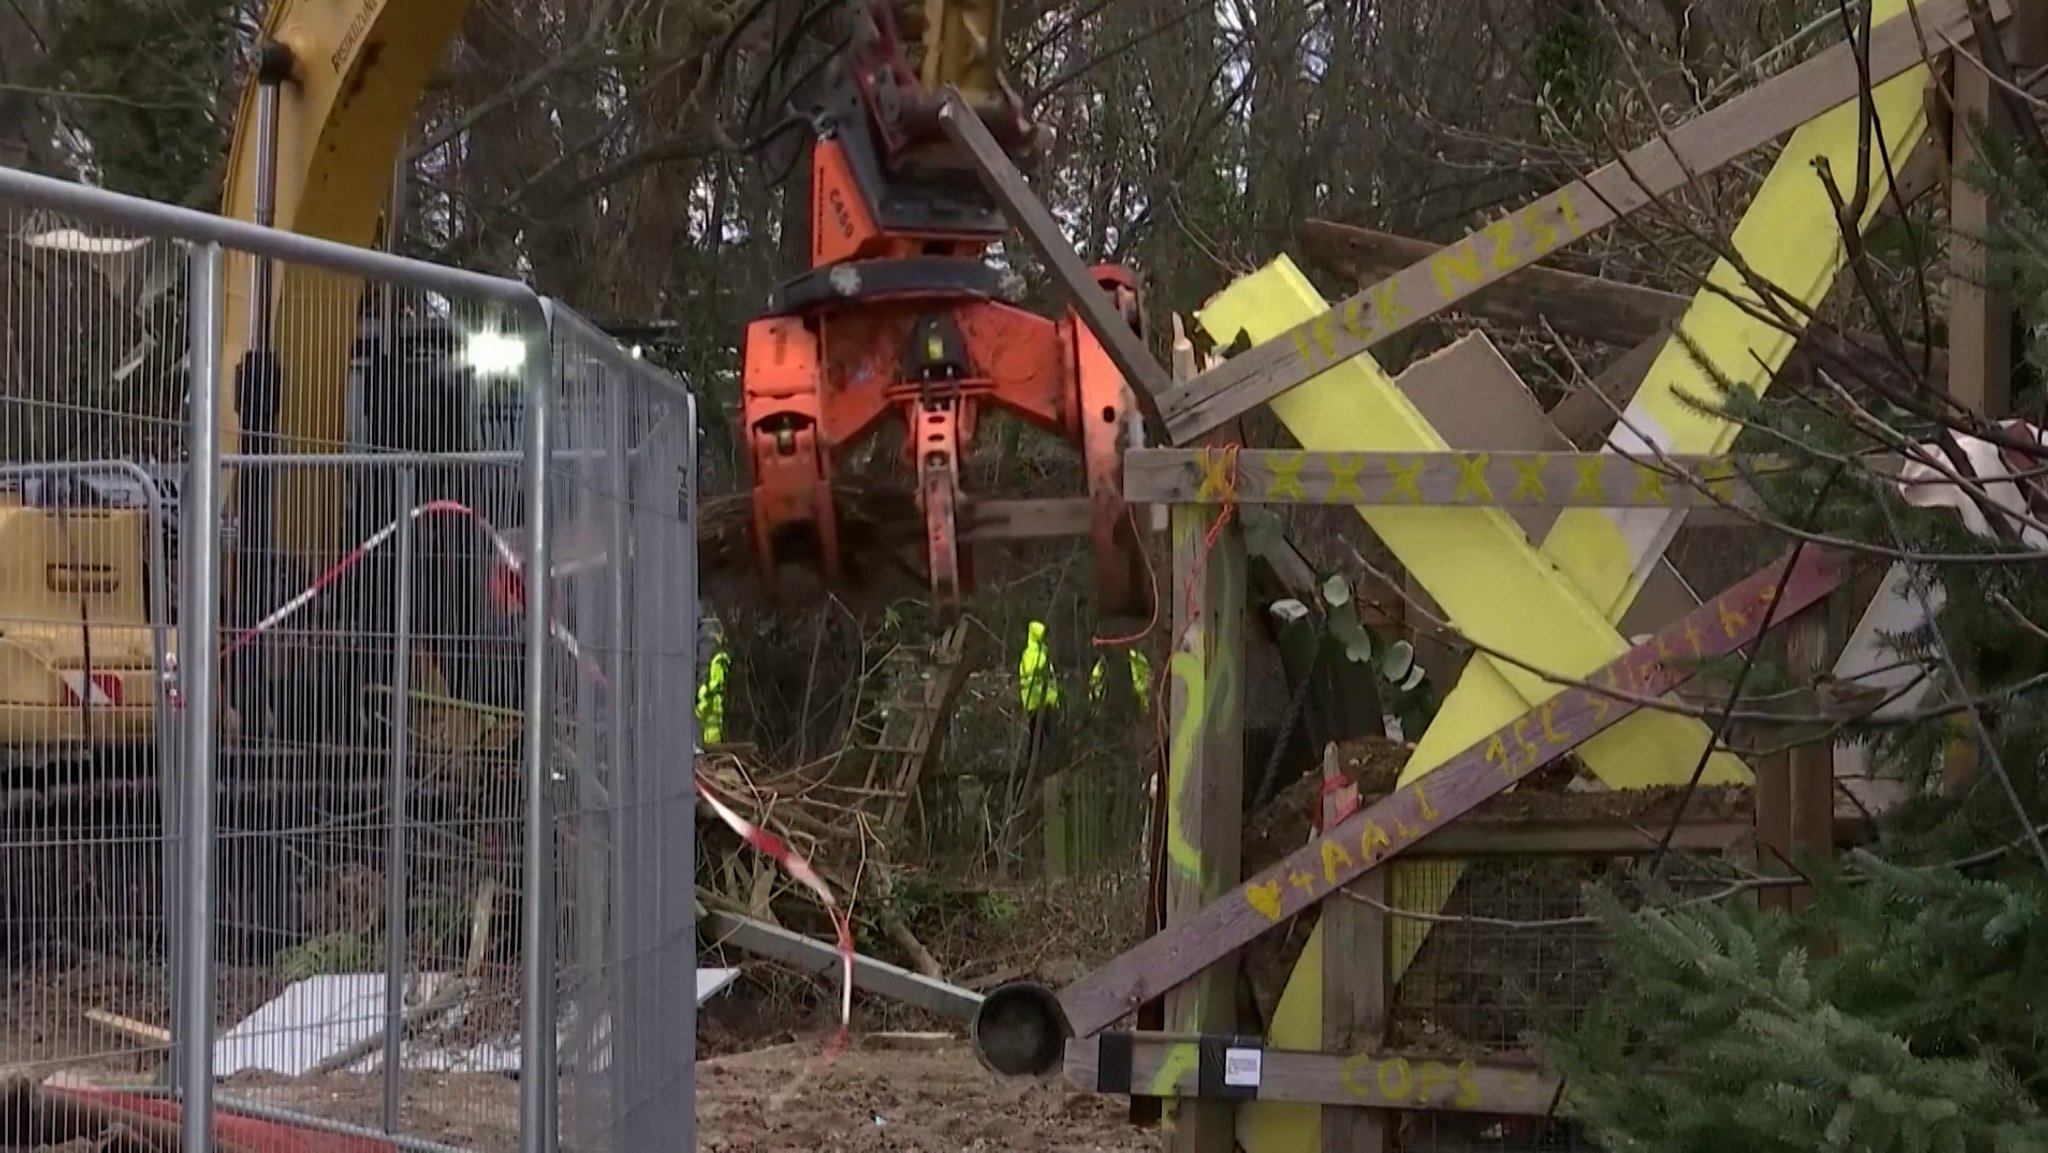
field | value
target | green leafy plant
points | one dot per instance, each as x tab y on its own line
325	956
1338	634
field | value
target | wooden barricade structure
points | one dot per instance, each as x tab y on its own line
1547	560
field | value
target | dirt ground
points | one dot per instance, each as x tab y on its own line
781	1099
784	1098
871	1100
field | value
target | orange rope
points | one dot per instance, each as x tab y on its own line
1162	695
1151	580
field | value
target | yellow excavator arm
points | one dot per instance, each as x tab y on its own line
960	41
354	71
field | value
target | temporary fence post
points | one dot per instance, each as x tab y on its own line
396	929
200	667
667	890
596	789
537	1073
629	1032
170	791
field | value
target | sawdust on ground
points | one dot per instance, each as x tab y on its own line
786	1099
780	1099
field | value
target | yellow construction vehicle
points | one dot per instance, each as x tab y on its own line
330	100
79	660
88	596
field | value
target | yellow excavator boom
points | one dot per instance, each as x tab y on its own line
356	72
961	40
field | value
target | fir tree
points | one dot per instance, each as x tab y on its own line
1923	1023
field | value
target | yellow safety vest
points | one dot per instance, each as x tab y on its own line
711	701
1037	688
1141	679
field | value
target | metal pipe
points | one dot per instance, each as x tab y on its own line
269	80
537	1072
675	917
396	932
170	796
398	459
593	980
200	666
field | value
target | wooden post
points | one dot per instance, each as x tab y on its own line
1059	847
1811	766
1774	826
1355	986
1205	772
1980	309
1795	789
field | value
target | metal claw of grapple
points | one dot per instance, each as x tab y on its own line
939	497
1102	411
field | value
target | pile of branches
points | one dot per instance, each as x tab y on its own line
823	823
820	821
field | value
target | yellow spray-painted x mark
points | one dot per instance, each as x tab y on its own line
1219	476
1472	477
1286	481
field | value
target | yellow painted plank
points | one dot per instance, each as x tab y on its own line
1476	562
1788	236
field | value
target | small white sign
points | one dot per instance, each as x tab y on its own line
1241	1067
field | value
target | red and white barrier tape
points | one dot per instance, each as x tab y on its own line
507	581
799	870
508	585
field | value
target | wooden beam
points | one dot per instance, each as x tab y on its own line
1811	765
1479	836
1384	831
1242	1069
1529	234
1205	785
1593	308
1147	377
1438	479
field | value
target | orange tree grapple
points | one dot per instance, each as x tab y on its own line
901	318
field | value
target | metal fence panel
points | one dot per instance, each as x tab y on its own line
624	556
401	816
89	360
368	790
